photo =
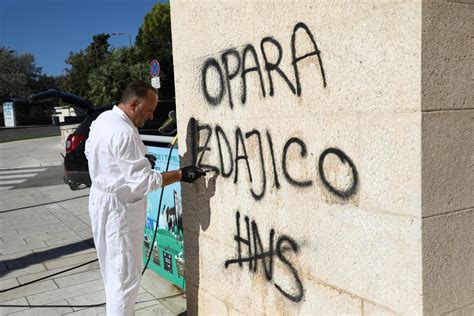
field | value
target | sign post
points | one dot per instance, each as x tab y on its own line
155	73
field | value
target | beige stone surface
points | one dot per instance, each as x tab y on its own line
208	305
35	288
373	256
466	311
18	301
51	311
390	164
385	152
321	232
261	296
374	275
448	262
375	310
327	301
357	253
447	55
448	161
388	79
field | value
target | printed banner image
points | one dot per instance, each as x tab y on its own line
168	250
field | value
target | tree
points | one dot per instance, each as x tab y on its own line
121	67
154	41
83	63
17	73
44	82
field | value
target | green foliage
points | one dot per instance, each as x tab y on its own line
101	75
121	67
154	41
17	73
44	82
83	63
96	72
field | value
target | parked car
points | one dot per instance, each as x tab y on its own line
76	170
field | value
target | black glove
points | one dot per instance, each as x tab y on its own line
151	158
190	174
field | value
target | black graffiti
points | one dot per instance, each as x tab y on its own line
246	62
232	159
303	154
256	252
259	196
267	259
296	60
344	159
220	134
269	67
228	74
196	149
239	139
212	100
194	139
272	153
249	49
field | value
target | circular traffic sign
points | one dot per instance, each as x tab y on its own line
154	68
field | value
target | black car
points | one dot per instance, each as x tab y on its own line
76	171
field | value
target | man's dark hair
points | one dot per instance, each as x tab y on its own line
136	89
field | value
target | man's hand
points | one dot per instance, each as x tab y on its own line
151	159
190	174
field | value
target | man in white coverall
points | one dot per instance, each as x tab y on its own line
121	177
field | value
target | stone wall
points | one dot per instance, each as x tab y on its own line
448	157
310	113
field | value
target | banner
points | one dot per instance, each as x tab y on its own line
168	250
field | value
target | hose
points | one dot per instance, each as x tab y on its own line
159	208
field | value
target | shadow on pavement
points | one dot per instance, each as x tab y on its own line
42	204
39	257
10	134
53	175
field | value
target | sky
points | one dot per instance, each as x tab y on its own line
50	29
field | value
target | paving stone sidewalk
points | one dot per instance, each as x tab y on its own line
39	152
44	230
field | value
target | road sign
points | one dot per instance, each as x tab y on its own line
155	82
154	68
9	114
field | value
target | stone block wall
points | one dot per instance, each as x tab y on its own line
312	116
448	157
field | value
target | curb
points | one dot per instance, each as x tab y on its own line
51	163
39	165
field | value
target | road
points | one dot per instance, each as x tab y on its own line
27	132
11	179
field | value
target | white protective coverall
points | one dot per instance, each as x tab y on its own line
121	176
